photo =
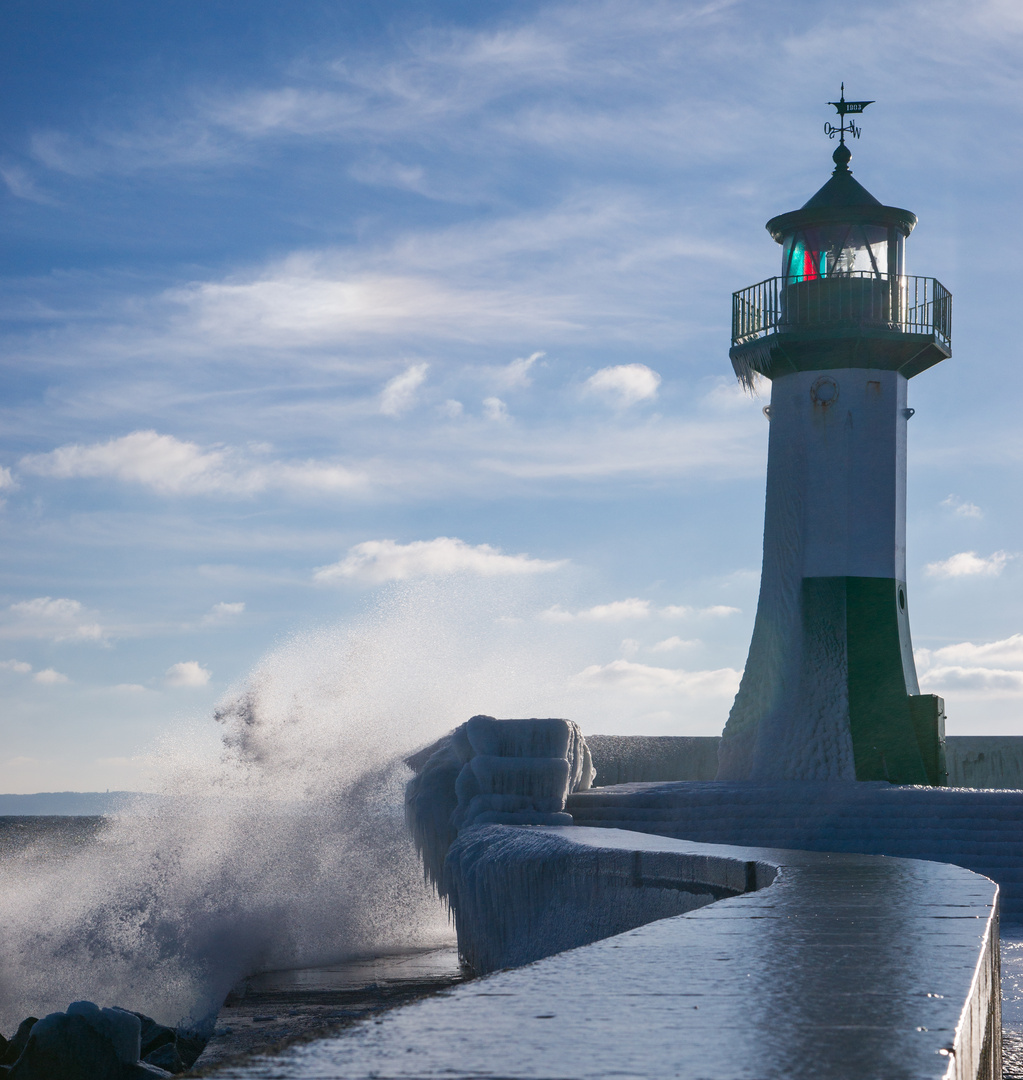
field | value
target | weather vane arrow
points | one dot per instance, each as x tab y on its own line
844	108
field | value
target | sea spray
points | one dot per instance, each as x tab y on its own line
280	845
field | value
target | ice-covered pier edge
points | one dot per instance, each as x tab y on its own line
490	771
857	963
838	966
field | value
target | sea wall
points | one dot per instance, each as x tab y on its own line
977	829
518	896
845	966
981	761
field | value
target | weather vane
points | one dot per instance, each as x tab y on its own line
844	108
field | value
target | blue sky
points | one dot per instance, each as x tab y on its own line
310	308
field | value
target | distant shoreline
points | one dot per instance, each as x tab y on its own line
71	803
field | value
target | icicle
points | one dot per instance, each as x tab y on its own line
489	771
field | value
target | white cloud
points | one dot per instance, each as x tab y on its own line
962	508
172	466
632	608
616	611
625	384
672	644
222	612
188	673
987	682
18	666
644	679
376	561
969	564
684	611
7	481
452	409
399	395
49	677
495	409
429	286
1004	653
50	620
994	669
635	608
145	457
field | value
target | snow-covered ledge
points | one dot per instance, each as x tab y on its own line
845	966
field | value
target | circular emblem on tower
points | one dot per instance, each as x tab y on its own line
824	392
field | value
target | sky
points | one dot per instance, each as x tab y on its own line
310	308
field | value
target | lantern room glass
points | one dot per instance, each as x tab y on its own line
843	250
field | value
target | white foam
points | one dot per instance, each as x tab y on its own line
282	844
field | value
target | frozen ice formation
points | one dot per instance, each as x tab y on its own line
490	771
519	895
90	1043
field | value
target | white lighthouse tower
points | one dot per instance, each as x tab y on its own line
830	689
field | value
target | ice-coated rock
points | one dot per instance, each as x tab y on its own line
13	1050
121	1028
90	1043
66	1046
153	1035
166	1057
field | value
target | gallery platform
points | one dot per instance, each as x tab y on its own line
838	966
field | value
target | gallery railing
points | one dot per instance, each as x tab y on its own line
904	304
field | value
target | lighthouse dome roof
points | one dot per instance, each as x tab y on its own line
842	189
843	199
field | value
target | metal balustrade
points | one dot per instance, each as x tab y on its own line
903	304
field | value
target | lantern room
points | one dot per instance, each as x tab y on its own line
843	297
843	231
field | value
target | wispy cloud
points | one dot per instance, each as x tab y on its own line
961	508
21	185
644	679
969	564
495	409
49	677
685	611
399	394
46	677
994	669
674	643
517	374
171	466
616	611
635	608
377	561
222	613
17	666
49	619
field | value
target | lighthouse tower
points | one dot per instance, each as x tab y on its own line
830	688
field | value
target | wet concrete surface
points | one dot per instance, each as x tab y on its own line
276	1009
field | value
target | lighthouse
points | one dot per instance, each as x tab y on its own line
830	690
